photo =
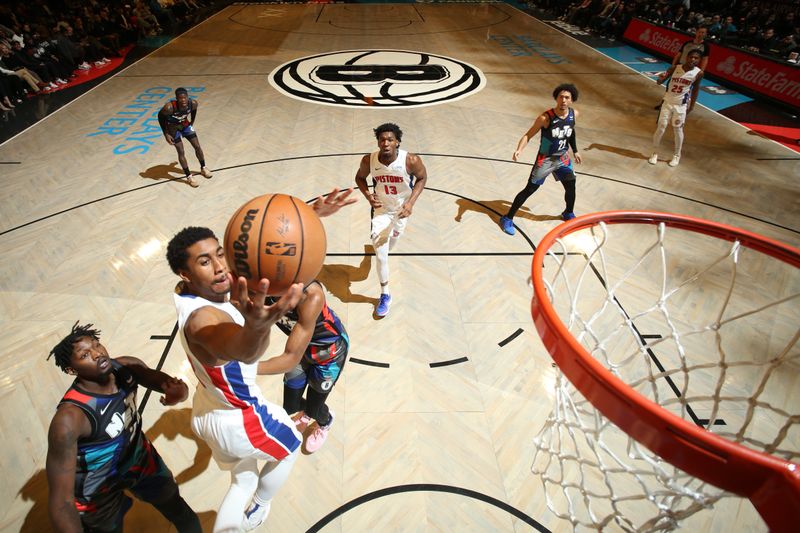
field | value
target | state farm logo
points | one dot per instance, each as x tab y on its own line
763	75
659	40
728	65
377	79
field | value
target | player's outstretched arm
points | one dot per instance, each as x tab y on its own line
297	343
174	389
213	334
67	426
331	203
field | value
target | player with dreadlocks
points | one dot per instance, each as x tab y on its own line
96	446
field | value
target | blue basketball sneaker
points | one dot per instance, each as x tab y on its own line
383	305
508	225
567	216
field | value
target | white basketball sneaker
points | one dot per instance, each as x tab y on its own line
653	159
675	160
255	515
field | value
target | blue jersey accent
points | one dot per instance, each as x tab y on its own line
274	427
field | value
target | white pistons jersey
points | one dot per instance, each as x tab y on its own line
392	182
228	406
680	86
214	382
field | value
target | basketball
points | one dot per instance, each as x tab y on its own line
278	237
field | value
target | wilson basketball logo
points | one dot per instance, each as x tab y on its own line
377	79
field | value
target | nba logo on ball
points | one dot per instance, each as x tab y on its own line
377	79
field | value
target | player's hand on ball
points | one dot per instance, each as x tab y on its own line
252	304
175	391
335	200
286	303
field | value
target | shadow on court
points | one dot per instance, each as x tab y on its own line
174	422
624	152
171	172
495	208
338	279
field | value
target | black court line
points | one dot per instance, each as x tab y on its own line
777	158
368	363
170	338
486	207
701	202
356	154
418	13
510	337
90	202
160	337
652	336
718	422
10	162
448	363
426	487
653	357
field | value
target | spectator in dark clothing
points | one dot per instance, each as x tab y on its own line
729	30
20	59
715	28
785	25
788	45
663	15
769	43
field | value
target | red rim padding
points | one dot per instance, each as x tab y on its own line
771	484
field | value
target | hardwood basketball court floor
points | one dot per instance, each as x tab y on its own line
440	402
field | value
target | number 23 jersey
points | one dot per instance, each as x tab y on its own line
392	182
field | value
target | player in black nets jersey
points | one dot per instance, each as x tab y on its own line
176	119
558	136
96	446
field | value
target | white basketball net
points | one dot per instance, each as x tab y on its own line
720	319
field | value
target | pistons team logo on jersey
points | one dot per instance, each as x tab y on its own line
377	79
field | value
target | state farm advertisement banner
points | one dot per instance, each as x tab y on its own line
780	81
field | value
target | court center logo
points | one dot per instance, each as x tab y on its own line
377	79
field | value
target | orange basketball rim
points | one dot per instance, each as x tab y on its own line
771	483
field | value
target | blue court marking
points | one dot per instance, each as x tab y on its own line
650	66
